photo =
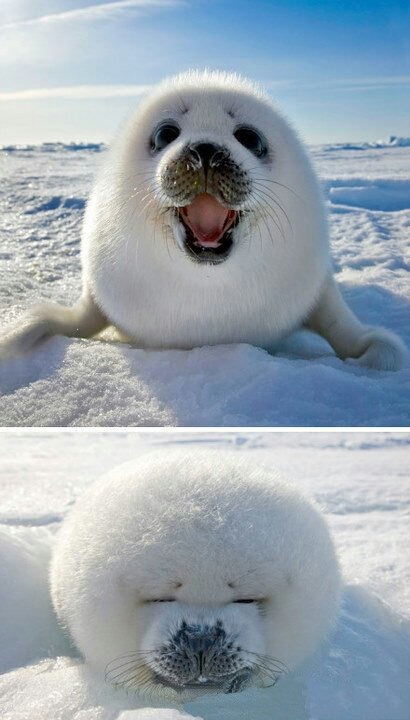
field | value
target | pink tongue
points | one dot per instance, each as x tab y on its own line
207	219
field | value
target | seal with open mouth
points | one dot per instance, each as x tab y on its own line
206	225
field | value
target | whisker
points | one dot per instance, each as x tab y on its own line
262	216
271	661
272	181
274	201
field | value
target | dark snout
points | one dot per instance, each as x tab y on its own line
207	155
203	656
197	640
205	167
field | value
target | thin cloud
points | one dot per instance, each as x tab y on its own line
92	12
89	92
343	84
380	83
76	92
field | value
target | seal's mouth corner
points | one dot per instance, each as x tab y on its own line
208	228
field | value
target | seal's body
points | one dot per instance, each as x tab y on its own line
161	273
183	573
206	226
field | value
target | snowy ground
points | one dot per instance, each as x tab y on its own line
361	482
77	382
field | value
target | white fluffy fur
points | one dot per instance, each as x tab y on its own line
180	525
137	277
155	292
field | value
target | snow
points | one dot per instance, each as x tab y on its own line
84	383
359	480
389	195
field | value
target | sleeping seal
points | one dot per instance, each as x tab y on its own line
184	573
206	225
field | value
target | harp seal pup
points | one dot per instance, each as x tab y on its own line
185	573
206	225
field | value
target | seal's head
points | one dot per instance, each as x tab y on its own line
182	574
206	224
214	170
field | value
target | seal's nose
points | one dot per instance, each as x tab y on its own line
207	154
199	646
197	641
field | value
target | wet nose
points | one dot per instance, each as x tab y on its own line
207	154
199	640
199	647
200	644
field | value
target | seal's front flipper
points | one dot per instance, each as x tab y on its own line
373	347
84	319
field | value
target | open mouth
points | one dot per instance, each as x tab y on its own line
208	228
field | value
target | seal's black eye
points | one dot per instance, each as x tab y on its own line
164	135
246	600
251	140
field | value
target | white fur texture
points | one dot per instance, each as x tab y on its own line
201	531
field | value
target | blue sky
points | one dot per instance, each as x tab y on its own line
71	69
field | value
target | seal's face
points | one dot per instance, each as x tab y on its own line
188	651
208	157
207	189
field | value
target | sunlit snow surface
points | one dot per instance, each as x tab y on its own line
361	482
78	382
